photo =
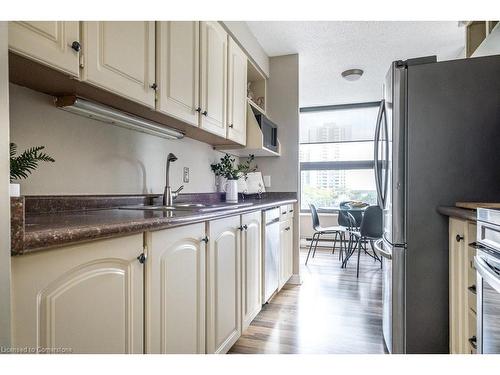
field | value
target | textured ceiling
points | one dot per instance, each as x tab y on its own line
327	48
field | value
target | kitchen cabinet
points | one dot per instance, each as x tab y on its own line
119	56
52	43
286	251
177	69
251	266
236	94
223	284
175	290
213	79
85	298
462	286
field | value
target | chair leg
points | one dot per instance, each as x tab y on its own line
335	242
310	247
341	246
316	245
359	255
352	250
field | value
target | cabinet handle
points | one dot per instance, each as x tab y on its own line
283	212
205	239
240	227
76	46
154	86
472	288
141	258
290	211
459	238
198	109
204	113
231	126
287	228
473	341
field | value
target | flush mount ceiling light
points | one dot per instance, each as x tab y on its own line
352	74
113	116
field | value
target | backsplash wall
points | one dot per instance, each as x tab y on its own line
97	158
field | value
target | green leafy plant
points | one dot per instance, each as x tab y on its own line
23	165
226	167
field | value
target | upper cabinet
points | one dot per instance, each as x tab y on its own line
213	83
52	43
120	57
237	93
178	69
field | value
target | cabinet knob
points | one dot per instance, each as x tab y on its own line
154	86
141	258
231	126
473	342
198	109
76	46
204	113
240	227
245	227
459	238
287	228
205	239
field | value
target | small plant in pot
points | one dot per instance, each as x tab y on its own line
232	172
21	166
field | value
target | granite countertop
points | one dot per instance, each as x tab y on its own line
457	212
52	229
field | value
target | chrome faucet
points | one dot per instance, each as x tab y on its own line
168	194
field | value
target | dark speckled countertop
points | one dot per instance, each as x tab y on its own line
457	212
53	229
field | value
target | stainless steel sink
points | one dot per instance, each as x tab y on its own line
202	207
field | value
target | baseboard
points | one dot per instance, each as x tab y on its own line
295	279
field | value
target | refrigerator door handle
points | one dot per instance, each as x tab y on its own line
375	157
380	249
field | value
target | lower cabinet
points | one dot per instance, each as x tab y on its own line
286	251
85	298
223	284
462	287
175	290
251	267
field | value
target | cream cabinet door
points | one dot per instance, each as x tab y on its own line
178	69
224	283
48	42
119	56
175	290
213	84
251	270
286	250
83	298
237	94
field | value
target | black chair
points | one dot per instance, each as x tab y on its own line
370	230
337	231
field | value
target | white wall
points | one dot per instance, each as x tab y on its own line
240	31
4	192
98	158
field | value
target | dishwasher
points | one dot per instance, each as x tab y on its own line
271	252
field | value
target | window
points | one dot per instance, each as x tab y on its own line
336	155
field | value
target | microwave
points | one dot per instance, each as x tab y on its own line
269	131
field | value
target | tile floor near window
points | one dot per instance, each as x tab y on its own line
332	312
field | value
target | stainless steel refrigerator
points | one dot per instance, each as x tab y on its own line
437	142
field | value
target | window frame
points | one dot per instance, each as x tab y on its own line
334	165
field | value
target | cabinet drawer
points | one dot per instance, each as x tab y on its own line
286	212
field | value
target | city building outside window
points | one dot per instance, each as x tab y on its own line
336	155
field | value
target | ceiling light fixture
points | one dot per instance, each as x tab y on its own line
352	74
113	116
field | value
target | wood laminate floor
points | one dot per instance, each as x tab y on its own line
332	312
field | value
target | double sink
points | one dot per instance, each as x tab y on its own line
199	207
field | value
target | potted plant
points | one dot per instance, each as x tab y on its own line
227	169
23	165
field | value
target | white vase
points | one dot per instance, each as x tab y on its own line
15	190
231	189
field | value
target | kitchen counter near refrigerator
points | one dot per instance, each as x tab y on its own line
458	213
